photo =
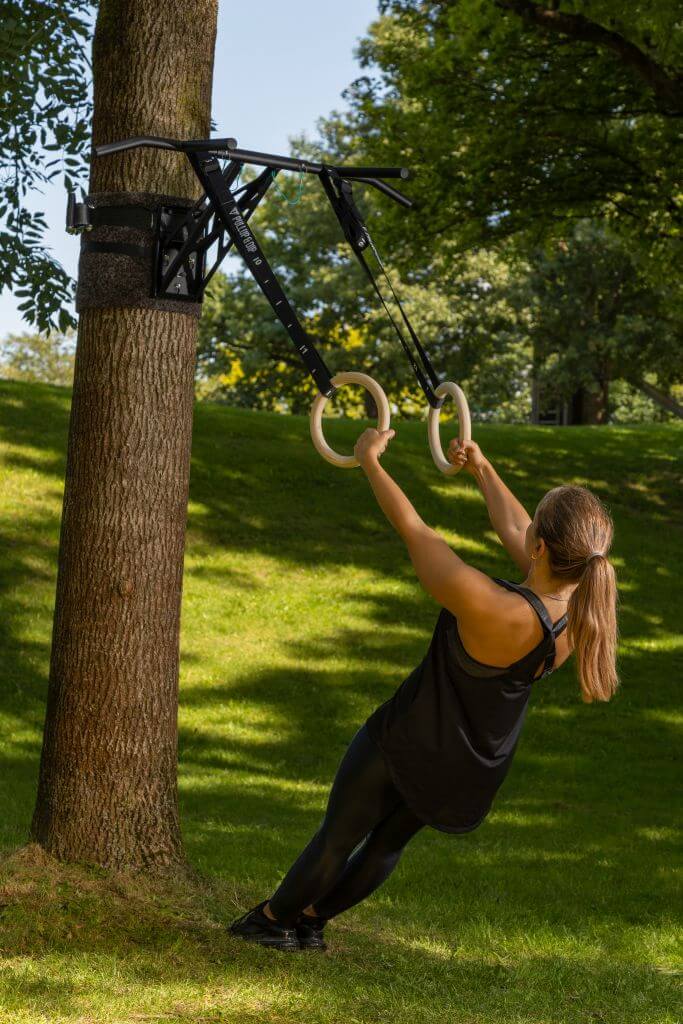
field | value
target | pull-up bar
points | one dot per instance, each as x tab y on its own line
228	149
220	216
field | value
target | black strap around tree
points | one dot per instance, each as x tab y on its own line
208	170
340	193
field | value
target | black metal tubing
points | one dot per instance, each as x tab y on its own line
144	140
188	241
198	221
372	172
228	147
388	190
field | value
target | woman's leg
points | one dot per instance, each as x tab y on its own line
372	863
362	795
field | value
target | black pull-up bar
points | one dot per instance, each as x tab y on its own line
228	148
220	216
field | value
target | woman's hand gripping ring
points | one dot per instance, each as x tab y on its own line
321	445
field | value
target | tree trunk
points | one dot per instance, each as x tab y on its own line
589	407
107	788
369	405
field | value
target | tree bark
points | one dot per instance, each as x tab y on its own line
107	787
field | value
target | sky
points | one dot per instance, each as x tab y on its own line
275	74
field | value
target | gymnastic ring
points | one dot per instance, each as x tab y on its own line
321	445
464	428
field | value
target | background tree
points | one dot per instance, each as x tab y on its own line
595	318
44	127
107	785
461	308
519	117
39	357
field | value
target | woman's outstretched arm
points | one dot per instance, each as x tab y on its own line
443	574
396	506
508	516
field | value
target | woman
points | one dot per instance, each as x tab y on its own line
437	751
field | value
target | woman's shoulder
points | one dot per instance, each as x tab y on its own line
501	627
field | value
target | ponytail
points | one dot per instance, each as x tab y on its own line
578	531
592	629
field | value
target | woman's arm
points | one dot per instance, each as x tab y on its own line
508	516
443	574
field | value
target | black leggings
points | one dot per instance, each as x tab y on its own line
363	805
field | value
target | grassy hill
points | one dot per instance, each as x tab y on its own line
300	614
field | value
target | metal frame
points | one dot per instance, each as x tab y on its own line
221	214
184	237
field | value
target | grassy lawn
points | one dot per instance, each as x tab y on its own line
300	614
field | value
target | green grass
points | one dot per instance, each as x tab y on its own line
300	614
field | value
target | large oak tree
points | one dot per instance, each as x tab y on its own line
107	790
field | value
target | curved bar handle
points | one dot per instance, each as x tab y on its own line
144	140
383	419
464	428
388	190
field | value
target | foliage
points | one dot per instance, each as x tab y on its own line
44	131
518	119
39	357
461	311
301	612
595	317
629	405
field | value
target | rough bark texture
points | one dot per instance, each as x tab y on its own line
107	787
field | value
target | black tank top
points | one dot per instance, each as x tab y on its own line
449	732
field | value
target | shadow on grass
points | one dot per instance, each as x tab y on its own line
165	942
580	835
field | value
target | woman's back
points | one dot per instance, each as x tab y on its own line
450	730
502	629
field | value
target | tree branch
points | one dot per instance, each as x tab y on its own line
659	397
669	91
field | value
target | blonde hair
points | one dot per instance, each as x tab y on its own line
578	531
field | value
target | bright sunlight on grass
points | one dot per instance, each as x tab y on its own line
300	614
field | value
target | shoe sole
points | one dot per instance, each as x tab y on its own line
290	946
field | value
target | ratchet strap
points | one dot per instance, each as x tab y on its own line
231	213
340	193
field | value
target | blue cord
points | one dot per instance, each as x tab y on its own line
283	195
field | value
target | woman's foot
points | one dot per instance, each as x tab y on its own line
309	931
256	926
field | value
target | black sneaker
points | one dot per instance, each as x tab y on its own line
309	931
255	926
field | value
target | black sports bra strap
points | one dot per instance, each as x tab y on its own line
550	629
560	626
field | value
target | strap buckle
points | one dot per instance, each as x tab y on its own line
78	214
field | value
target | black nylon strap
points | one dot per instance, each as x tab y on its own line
121	248
228	210
426	384
340	194
140	217
250	195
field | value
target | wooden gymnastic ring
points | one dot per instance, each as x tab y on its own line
464	428
383	418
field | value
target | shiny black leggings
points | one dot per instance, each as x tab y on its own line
364	807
